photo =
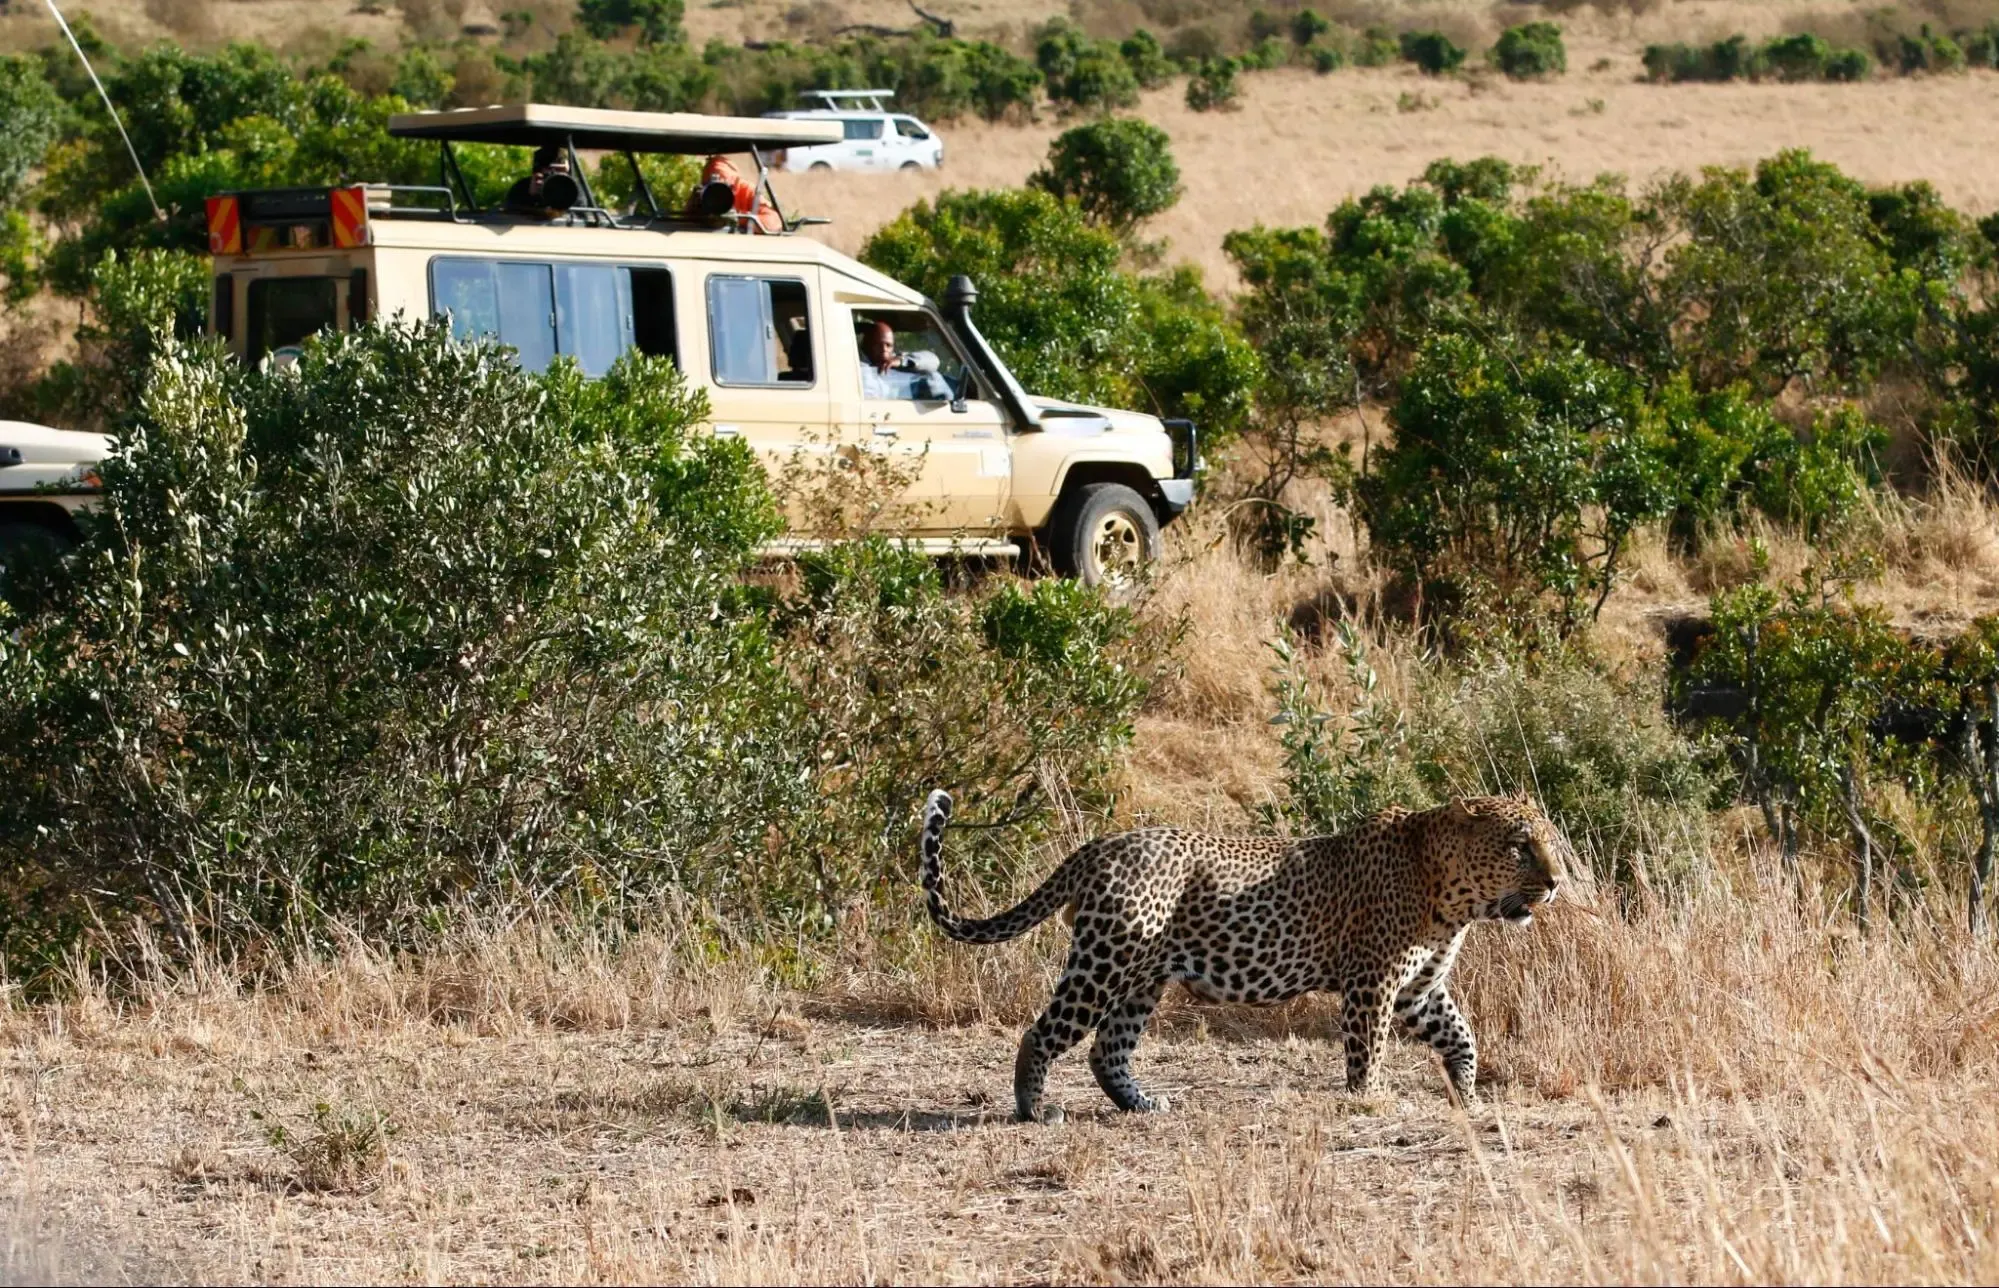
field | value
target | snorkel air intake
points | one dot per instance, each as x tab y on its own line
959	297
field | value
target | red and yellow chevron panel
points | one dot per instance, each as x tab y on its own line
350	216
225	227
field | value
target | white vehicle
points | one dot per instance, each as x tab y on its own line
46	476
877	138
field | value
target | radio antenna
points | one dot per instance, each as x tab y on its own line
130	150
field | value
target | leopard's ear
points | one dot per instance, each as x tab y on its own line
1461	810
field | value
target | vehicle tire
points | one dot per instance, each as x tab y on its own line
28	541
1103	534
822	165
911	165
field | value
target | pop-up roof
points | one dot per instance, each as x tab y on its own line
539	125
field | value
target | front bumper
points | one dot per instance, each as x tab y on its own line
1177	493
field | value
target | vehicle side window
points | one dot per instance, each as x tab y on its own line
285	310
926	367
590	312
909	129
511	303
760	331
527	313
862	129
653	331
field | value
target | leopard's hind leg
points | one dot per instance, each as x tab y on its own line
1117	1038
1089	985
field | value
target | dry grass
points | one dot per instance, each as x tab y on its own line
1726	1091
1726	1087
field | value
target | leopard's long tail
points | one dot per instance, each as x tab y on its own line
1054	893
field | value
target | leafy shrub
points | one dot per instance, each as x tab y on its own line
402	626
1082	73
1724	60
1531	50
1376	47
1432	51
1119	172
34	115
1792	277
1327	59
139	298
657	21
1264	24
1848	65
1142	52
1514	478
1818	676
1797	58
1307	25
1981	46
1212	87
1928	51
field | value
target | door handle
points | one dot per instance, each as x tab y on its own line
886	431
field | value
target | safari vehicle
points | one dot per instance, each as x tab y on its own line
46	476
874	137
769	324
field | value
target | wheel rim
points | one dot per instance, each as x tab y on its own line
1118	547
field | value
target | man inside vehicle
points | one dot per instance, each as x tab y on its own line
885	374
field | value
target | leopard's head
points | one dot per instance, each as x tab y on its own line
1509	856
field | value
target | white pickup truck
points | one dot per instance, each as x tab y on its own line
46	476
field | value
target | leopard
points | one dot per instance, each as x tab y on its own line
1376	912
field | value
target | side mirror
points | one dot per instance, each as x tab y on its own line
958	404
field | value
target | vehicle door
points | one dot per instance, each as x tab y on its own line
957	464
764	367
864	143
912	141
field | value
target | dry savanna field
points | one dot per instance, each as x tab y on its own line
1723	1085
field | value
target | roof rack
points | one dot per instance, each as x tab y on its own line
596	129
875	100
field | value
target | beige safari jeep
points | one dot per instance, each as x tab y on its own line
790	340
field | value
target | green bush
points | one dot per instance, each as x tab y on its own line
1376	47
1327	59
1927	52
1820	675
1142	52
1515	479
1082	73
1793	278
1530	51
1848	65
1212	87
1120	172
1307	25
1724	60
1797	58
657	21
402	627
34	115
1432	51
